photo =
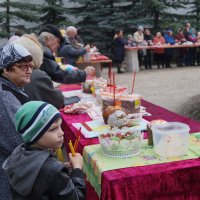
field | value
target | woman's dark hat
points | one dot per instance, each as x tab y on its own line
53	30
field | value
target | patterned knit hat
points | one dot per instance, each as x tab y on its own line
12	53
34	118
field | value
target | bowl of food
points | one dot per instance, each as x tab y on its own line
121	143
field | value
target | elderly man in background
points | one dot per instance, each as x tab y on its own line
73	38
73	47
52	40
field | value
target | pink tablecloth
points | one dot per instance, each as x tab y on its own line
176	180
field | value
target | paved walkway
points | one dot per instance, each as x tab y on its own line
177	89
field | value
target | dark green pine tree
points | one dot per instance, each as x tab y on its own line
194	13
99	20
162	14
54	12
16	15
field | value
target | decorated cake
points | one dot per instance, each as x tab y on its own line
115	116
118	119
121	142
108	111
130	103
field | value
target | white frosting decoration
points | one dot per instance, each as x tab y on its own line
118	118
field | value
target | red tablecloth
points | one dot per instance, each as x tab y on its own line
176	180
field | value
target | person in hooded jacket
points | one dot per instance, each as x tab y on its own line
52	41
33	171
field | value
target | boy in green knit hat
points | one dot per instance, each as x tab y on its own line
34	172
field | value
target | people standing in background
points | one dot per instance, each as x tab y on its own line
192	50
147	57
180	37
198	48
130	41
138	37
159	53
187	30
186	34
118	50
169	39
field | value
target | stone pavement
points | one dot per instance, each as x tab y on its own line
177	89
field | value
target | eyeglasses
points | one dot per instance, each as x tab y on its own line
24	66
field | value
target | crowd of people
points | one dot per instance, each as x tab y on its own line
30	120
162	56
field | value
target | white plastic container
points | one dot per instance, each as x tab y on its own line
170	139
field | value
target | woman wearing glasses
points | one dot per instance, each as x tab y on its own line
15	70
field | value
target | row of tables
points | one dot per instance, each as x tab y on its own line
175	180
132	53
131	57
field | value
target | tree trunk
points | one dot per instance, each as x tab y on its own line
8	17
156	20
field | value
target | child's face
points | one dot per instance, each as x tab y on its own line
53	138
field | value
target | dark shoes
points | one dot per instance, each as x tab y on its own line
120	71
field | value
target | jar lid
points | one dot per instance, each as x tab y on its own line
169	127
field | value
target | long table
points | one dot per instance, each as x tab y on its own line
175	180
132	53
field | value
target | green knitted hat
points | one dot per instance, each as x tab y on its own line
34	118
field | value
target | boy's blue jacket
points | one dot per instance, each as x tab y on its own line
36	174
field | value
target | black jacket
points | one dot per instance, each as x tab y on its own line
69	53
57	74
118	50
41	89
35	174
